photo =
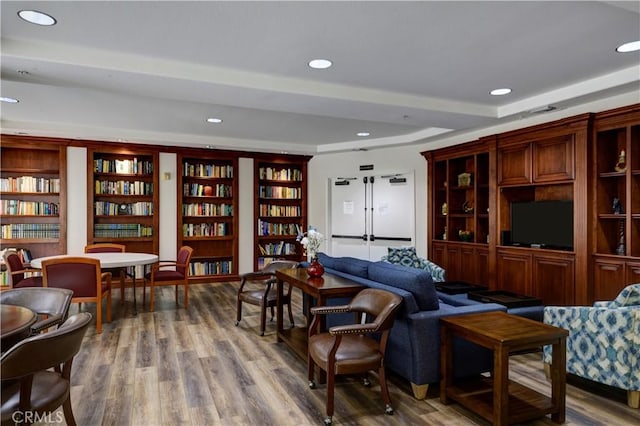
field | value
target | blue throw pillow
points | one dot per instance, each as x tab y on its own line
416	281
405	256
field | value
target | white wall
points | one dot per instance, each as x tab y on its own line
167	210
77	207
245	215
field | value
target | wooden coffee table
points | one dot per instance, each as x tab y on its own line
496	398
322	288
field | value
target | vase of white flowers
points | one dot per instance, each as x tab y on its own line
311	241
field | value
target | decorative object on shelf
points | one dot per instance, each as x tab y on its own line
444	234
465	235
208	190
464	179
315	268
617	206
467	207
621	165
621	250
444	209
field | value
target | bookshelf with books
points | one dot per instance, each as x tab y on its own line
122	198
280	207
33	195
207	217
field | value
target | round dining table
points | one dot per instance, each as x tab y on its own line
15	324
111	260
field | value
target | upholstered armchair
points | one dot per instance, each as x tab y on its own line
407	256
604	341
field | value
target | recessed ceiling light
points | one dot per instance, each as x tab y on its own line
214	120
9	100
363	134
38	18
320	64
500	92
632	46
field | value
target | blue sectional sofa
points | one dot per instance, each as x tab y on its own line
413	350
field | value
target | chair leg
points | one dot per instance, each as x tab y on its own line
633	398
290	315
144	291
99	315
108	306
177	304
388	409
151	294
330	388
186	294
68	412
310	372
122	282
238	311
263	318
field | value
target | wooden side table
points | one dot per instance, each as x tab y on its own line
496	398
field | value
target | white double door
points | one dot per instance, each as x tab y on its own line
371	213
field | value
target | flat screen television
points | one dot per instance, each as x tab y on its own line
542	223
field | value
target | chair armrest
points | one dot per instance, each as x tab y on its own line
353	329
52	320
27	271
250	276
324	310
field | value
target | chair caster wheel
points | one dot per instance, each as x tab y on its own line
366	382
262	334
237	322
328	421
312	384
388	410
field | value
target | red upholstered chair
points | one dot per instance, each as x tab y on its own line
351	349
17	272
115	272
83	276
168	272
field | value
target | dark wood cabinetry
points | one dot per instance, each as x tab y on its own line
33	187
280	204
123	198
208	214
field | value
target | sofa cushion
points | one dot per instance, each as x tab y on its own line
416	281
629	296
349	265
405	256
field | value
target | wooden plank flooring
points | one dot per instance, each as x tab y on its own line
194	367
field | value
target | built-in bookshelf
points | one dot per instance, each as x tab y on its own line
207	218
280	208
33	195
122	198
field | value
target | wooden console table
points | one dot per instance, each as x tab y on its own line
496	398
322	288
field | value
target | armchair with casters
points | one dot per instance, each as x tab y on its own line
17	271
604	341
352	348
50	304
36	372
169	272
121	273
264	293
84	277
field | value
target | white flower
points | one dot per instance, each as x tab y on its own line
311	241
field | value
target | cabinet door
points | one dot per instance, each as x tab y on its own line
468	265
438	256
482	266
553	279
454	272
608	278
514	165
514	272
633	273
553	159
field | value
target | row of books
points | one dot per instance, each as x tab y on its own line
122	187
30	184
216	229
280	248
283	192
267	228
207	209
207	170
129	167
30	230
107	208
271	173
28	208
197	190
121	230
23	253
220	267
279	211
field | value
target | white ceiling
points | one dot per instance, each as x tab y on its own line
152	72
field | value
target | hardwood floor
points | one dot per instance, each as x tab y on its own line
194	367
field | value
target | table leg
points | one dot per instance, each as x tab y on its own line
279	319
501	386
559	380
446	358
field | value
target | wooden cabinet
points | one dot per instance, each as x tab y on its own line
208	214
33	188
616	176
514	271
123	198
465	262
280	207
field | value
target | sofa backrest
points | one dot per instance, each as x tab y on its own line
416	281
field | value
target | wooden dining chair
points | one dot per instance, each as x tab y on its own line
115	272
17	272
83	276
169	272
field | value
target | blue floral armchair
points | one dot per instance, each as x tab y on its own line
604	341
407	256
